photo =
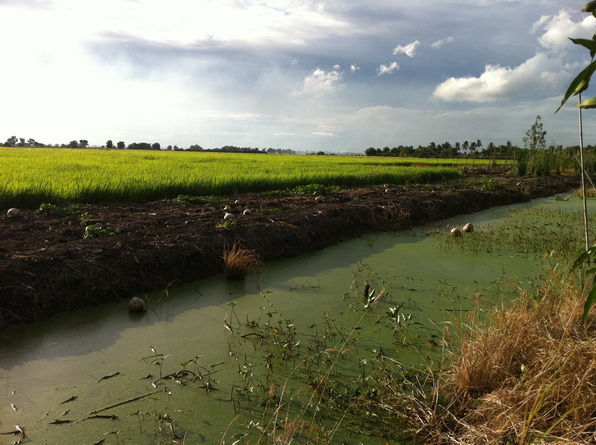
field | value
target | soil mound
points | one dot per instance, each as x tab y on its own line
51	263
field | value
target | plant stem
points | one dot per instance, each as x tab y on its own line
583	175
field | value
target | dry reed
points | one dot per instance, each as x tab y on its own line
238	262
528	376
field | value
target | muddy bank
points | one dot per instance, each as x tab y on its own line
48	266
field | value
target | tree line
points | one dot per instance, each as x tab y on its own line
14	141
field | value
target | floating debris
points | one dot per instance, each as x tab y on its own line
69	400
109	376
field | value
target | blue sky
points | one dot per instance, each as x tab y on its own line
332	75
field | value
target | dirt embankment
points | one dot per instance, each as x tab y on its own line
47	266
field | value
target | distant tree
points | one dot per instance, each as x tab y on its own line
73	144
109	144
465	147
83	143
472	148
321	153
197	147
371	151
155	146
535	135
11	141
406	152
121	145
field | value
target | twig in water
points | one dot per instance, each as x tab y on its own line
123	402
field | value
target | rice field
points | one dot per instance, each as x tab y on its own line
31	176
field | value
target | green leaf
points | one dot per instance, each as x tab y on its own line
582	259
589	7
588	103
580	83
589	302
586	43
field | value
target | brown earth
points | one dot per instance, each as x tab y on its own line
47	266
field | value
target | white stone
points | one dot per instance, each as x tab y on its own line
137	304
456	231
13	213
469	227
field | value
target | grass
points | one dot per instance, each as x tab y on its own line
521	374
238	263
528	376
58	176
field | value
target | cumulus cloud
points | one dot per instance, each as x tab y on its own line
321	81
354	68
558	28
387	69
540	75
440	43
409	49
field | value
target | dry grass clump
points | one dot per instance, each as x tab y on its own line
590	192
238	262
527	377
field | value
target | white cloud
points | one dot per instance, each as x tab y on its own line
558	28
409	49
321	81
388	69
440	43
538	75
354	68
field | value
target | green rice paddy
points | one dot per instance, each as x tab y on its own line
31	176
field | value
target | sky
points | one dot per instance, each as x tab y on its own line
308	75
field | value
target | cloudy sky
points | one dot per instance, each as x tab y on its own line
333	75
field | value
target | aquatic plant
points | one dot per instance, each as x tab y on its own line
535	232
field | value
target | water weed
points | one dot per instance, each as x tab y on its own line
534	232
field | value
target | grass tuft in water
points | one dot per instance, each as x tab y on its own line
238	262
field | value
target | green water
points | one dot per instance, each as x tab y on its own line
93	376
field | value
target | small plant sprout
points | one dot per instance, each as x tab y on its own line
247	212
228	216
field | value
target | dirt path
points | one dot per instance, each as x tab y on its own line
47	266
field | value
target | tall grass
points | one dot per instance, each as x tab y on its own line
33	176
539	162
